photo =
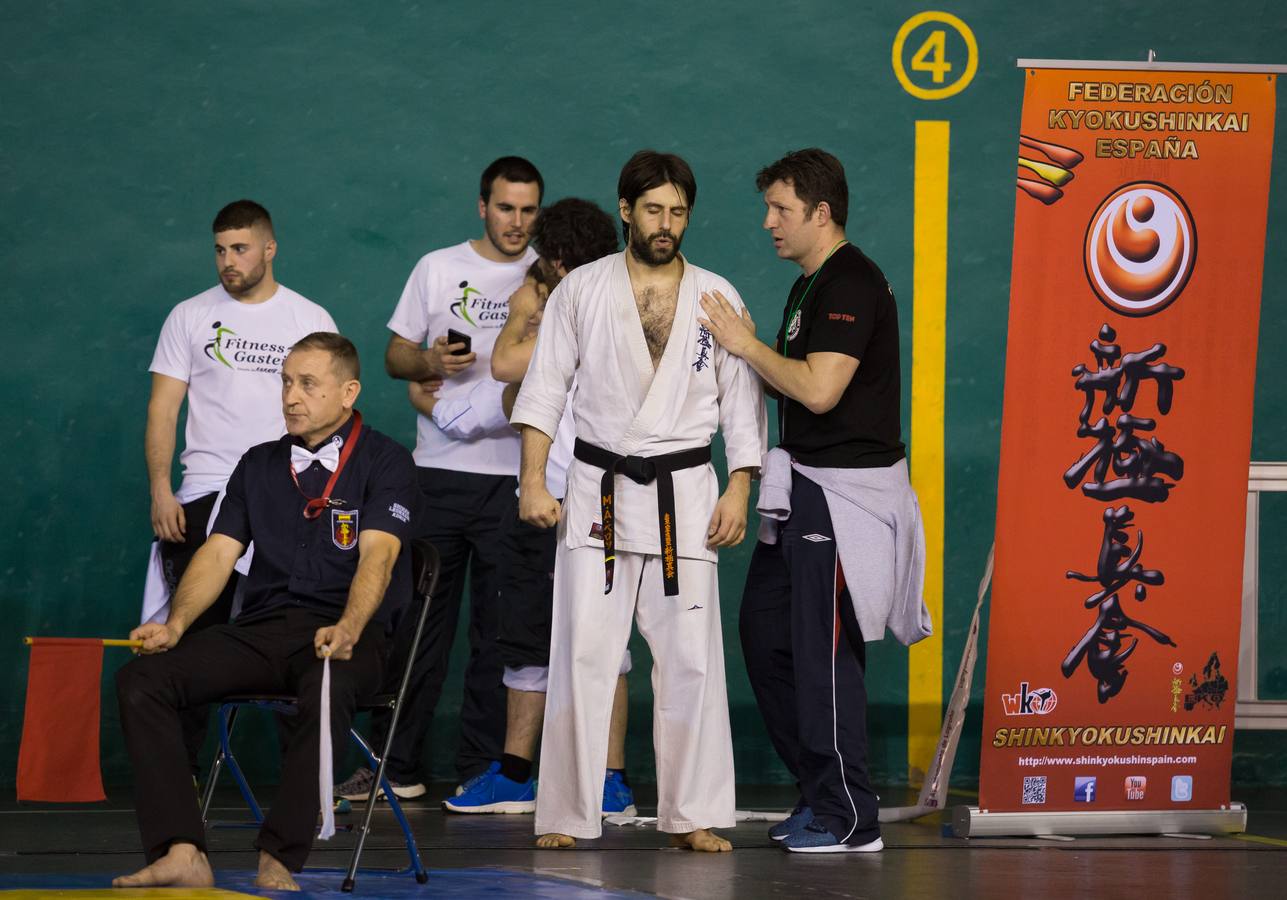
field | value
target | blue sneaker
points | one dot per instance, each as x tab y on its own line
618	799
470	782
801	816
815	838
492	792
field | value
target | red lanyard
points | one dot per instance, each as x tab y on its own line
313	508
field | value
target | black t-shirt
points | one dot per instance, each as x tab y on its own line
311	562
848	309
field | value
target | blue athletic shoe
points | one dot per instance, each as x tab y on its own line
801	816
492	792
815	838
618	799
470	782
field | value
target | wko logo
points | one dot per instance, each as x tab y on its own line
1029	702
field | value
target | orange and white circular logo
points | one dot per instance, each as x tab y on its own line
1140	248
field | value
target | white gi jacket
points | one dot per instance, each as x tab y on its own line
591	331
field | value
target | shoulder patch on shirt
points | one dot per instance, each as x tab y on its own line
400	512
344	528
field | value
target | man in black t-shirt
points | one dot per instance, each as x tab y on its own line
851	512
329	508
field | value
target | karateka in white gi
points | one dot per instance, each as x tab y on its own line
652	389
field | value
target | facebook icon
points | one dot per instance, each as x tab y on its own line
1084	790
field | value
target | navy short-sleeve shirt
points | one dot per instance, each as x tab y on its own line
311	562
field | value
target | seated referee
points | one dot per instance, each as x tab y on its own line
328	506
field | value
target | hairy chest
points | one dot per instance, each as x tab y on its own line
656	307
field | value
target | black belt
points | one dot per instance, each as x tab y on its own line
642	470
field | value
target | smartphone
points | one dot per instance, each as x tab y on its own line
455	337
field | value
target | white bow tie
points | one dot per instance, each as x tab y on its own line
328	455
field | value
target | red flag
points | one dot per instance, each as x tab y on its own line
58	759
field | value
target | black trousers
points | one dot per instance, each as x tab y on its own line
806	660
272	655
466	516
175	557
527	594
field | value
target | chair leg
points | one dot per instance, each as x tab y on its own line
426	581
381	781
207	795
225	751
413	852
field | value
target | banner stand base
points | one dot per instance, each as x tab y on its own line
970	821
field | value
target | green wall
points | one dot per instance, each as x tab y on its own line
363	127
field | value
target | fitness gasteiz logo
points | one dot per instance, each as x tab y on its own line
472	307
214	349
1140	248
246	355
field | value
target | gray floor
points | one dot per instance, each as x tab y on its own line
920	860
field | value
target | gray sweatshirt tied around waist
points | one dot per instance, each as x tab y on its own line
879	536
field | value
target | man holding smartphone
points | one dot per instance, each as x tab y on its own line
452	308
459	343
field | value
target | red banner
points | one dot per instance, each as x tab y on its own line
1135	300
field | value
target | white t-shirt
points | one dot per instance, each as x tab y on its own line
230	355
456	288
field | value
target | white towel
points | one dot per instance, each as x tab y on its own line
325	775
156	593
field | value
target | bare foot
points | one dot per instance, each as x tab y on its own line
273	875
182	866
555	842
702	840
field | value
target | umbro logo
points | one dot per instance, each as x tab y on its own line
816	538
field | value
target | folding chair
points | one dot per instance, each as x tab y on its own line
425	566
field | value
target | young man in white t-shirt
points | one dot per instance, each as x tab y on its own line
222	351
467	464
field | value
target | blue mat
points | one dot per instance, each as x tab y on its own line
464	884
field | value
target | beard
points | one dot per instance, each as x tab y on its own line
498	241
641	247
244	284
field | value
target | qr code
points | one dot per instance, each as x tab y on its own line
1034	789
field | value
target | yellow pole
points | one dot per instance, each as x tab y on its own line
929	362
106	642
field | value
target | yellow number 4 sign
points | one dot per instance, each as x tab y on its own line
931	56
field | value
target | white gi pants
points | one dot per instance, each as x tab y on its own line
691	736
